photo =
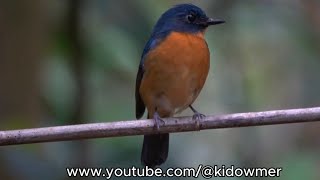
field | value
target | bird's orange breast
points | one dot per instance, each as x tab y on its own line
174	73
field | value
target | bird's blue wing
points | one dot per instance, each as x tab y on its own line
140	106
151	44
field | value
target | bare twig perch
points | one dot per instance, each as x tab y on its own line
139	127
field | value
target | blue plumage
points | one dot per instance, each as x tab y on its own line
176	19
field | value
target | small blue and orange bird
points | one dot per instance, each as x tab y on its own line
172	71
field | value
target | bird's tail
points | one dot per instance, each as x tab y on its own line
155	149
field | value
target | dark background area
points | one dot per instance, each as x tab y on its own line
75	61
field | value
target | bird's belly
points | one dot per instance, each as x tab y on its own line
174	76
179	88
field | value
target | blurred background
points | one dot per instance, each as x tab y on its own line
75	61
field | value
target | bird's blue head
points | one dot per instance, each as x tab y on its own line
184	18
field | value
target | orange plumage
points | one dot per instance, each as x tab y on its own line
175	72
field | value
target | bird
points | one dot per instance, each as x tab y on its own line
173	68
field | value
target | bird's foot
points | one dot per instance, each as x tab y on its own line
197	117
158	121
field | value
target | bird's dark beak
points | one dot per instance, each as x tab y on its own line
212	21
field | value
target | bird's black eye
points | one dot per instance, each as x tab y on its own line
191	17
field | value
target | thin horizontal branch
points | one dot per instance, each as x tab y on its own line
140	127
